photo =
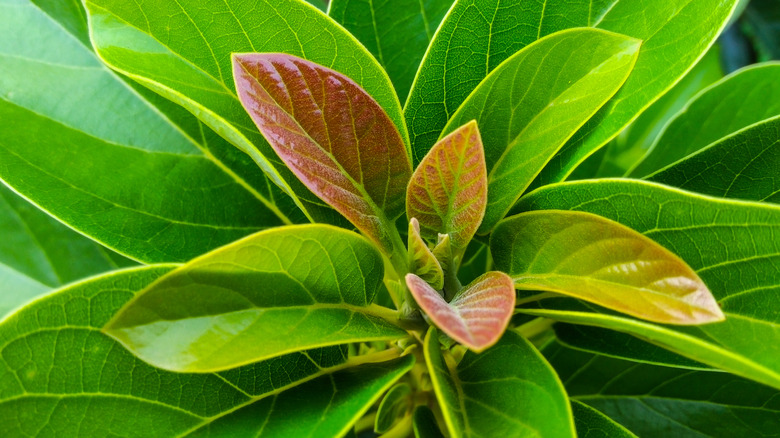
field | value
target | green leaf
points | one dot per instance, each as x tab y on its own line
675	35
448	191
279	291
396	32
135	181
421	261
628	148
731	245
424	423
473	39
658	401
60	375
593	424
763	18
477	316
597	260
743	166
507	391
181	49
70	14
620	345
534	101
742	99
327	406
37	253
393	407
333	136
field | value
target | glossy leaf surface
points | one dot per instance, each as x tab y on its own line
181	49
534	101
603	262
422	262
744	98
675	34
294	288
591	423
37	253
141	192
658	401
731	245
488	394
448	190
477	316
745	165
56	363
474	38
396	32
627	149
333	136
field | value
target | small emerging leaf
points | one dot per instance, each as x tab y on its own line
421	260
477	316
448	191
334	136
594	259
393	407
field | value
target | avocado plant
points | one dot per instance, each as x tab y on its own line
568	229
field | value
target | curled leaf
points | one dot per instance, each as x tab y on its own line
477	316
421	260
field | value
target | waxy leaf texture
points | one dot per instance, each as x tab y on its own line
276	292
477	316
335	138
603	262
448	190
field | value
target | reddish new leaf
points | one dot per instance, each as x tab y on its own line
421	260
448	191
477	316
335	138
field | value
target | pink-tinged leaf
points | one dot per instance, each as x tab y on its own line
421	260
477	316
448	190
335	138
592	258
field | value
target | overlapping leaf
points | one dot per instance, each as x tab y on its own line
477	316
181	49
628	148
508	390
422	262
276	292
745	165
448	191
534	101
591	423
425	423
55	363
651	400
675	34
105	161
600	261
37	253
474	38
731	245
743	99
332	135
397	32
393	407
